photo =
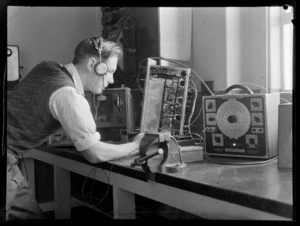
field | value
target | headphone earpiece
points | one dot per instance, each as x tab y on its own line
100	68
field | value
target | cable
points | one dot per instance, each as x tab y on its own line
107	190
212	94
130	17
235	162
249	83
285	100
91	200
98	100
193	106
195	98
3	112
96	107
267	91
83	193
179	63
107	177
197	116
82	188
137	79
119	21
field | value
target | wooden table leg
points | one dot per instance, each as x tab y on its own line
124	204
62	193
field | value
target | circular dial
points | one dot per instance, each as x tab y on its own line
233	119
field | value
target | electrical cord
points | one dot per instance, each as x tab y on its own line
179	63
137	78
82	188
130	17
119	21
98	101
225	160
195	99
267	91
212	94
91	200
231	161
194	91
107	177
4	112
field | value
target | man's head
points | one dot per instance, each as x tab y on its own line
86	57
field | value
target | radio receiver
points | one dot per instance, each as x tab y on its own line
113	109
241	125
165	98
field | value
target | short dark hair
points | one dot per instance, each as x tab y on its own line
86	48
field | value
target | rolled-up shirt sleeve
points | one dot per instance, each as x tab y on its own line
73	112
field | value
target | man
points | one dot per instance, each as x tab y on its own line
49	98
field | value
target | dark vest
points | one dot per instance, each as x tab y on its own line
29	120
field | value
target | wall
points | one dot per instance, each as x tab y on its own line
254	45
209	44
49	33
230	45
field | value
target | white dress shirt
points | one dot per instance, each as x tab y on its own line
69	106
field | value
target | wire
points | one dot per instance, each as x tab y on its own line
193	106
3	112
137	78
119	21
91	200
96	107
179	63
107	190
196	96
130	17
98	100
234	162
212	94
82	188
197	116
285	100
267	91
107	177
249	83
219	90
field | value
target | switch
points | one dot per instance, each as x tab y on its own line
255	104
217	139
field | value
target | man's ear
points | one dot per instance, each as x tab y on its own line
91	62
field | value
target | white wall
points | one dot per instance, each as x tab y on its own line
233	45
49	33
230	45
254	45
209	44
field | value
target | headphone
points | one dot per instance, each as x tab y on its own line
100	68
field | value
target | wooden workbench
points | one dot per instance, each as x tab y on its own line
205	189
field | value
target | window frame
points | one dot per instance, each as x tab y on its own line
286	17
